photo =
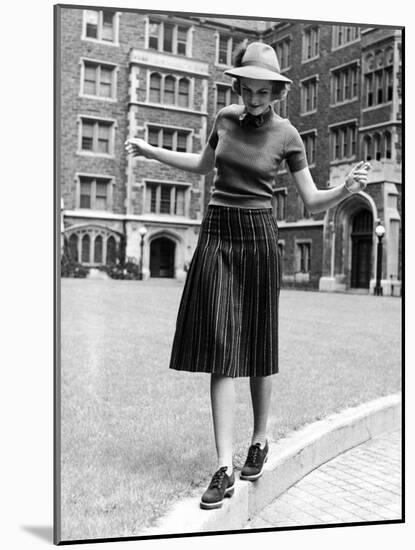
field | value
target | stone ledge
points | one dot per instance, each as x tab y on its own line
290	459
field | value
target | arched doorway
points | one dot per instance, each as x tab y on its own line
162	252
362	241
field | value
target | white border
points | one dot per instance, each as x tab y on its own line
27	300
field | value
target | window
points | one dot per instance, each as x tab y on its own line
378	79
344	84
225	47
343	141
155	88
98	80
94	246
169	37
283	50
303	257
387	145
343	35
225	96
281	107
169	138
279	204
309	89
97	137
166	198
170	90
311	43
377	146
100	25
224	50
94	193
309	140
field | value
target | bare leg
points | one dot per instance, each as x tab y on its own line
261	389
222	394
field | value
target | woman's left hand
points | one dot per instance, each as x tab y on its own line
356	180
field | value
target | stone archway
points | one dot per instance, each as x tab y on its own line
162	257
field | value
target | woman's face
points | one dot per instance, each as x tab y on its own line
256	95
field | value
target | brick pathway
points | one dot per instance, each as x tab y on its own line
363	484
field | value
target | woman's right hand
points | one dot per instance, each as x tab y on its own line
137	147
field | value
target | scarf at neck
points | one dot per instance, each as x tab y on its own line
246	119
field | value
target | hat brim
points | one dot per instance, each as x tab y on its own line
258	73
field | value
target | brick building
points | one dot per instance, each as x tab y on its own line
125	74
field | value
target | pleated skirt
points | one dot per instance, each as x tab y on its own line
228	316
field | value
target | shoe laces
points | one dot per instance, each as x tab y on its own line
253	452
218	477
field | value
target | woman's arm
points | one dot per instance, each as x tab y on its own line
201	163
317	200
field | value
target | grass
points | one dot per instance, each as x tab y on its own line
137	436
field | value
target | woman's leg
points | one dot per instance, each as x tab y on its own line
222	395
261	389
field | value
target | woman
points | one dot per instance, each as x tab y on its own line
228	317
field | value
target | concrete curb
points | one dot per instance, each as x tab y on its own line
290	459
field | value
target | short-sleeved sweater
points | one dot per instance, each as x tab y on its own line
247	157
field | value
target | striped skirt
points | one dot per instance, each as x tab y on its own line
228	316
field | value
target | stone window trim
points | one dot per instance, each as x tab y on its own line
284	192
313	133
107	121
176	23
335	28
284	39
355	63
308	34
117	16
177	78
378	78
176	129
232	41
174	185
304	83
110	180
298	255
230	94
377	145
353	124
93	231
99	63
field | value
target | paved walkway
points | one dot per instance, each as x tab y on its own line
363	484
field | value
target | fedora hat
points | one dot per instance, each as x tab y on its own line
260	62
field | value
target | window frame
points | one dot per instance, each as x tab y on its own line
337	139
299	244
308	41
110	182
116	16
341	73
111	123
177	81
287	41
335	46
175	36
280	213
176	130
312	133
303	97
229	94
98	65
173	185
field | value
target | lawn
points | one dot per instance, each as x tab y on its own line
137	436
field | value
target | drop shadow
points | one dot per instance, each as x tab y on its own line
44	532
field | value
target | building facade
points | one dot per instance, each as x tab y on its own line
160	77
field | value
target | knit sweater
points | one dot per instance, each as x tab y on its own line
247	157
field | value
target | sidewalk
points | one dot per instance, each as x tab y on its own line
362	484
